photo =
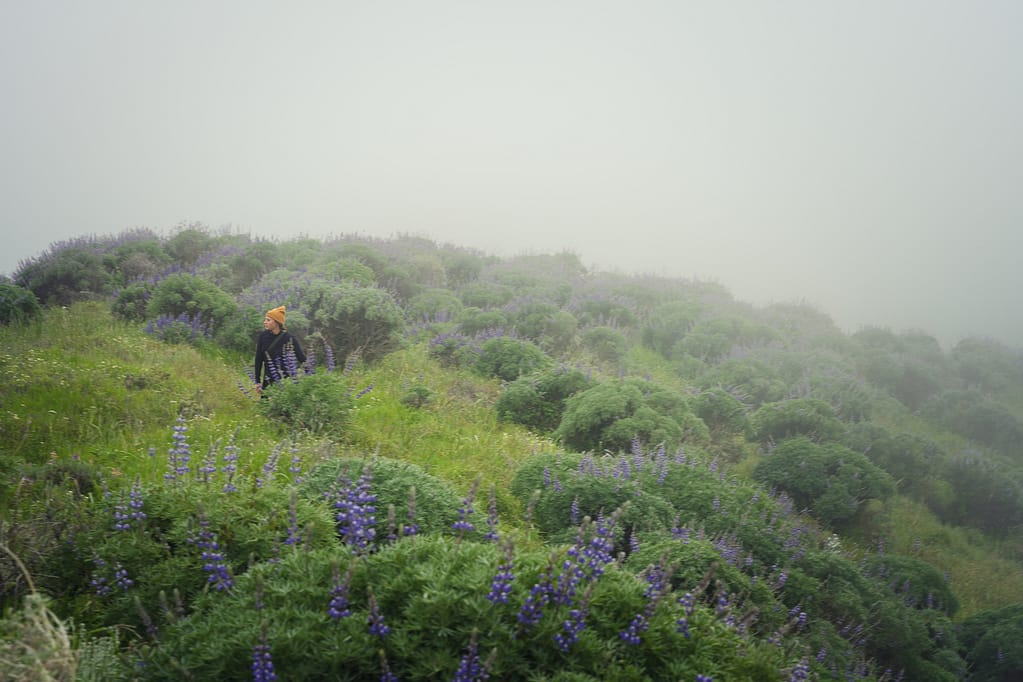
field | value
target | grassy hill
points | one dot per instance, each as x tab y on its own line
505	393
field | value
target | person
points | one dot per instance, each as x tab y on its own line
273	347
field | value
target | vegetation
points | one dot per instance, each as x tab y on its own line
511	468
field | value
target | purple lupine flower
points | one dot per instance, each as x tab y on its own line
230	465
294	536
375	619
462	525
356	512
572	626
470	668
295	468
135	502
214	562
262	661
121	578
99	581
539	596
270	466
704	678
338	607
574	511
369	387
492	515
688	603
800	672
412	528
329	353
121	516
547	477
181	453
822	655
500	586
658	584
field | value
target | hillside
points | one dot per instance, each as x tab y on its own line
831	503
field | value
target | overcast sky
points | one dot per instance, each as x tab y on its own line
866	157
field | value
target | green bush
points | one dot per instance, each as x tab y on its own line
508	358
917	583
537	401
320	403
611	414
194	296
66	273
722	412
830	480
797	417
752	381
608	344
992	645
354	319
131	302
668	326
17	305
395	484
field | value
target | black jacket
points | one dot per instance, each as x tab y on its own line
271	351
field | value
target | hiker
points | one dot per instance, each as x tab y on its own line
273	348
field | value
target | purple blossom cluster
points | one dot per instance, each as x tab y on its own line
356	512
470	667
179	455
463	525
338	606
262	661
214	562
375	618
501	585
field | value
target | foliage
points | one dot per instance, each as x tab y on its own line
354	319
800	416
66	273
610	414
668	325
537	400
916	582
508	358
722	412
17	305
992	646
184	294
608	344
977	417
320	403
829	479
751	381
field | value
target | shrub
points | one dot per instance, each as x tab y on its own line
722	412
66	273
830	480
992	645
17	305
184	294
320	403
798	417
537	401
752	381
508	358
668	325
608	344
352	318
916	583
610	415
977	417
474	321
132	301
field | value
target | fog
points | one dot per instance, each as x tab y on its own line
863	157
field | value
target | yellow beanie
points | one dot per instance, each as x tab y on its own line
277	315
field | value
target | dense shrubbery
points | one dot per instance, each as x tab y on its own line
17	305
538	400
611	414
830	480
752	566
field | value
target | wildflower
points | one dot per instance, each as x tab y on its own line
376	619
294	537
500	586
135	501
230	466
470	668
539	596
121	516
574	511
262	661
356	512
462	525
270	466
121	578
214	562
572	626
800	672
338	607
412	528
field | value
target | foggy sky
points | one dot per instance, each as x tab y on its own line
864	157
